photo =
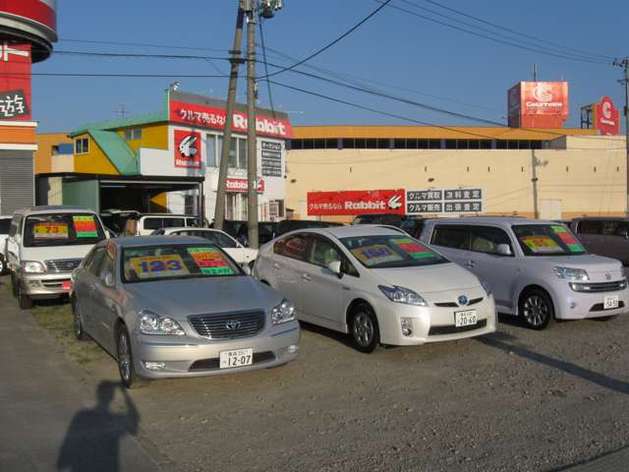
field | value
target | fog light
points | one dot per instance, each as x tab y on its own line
573	305
33	283
407	326
154	365
292	349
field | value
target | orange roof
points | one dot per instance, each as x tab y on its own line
434	132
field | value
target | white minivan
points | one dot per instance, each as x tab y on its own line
45	244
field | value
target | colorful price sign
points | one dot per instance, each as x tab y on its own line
50	231
541	244
85	226
150	267
568	239
414	249
211	261
376	254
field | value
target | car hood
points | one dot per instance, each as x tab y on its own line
242	255
55	252
594	265
427	279
180	298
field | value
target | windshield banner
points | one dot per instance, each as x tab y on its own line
210	261
85	226
50	231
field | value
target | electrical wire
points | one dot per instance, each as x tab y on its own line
333	42
147	45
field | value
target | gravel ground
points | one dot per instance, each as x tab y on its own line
517	400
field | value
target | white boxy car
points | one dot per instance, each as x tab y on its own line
45	244
378	285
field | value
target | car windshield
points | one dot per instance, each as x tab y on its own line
547	240
176	261
381	252
62	230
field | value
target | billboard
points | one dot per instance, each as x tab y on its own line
606	117
236	185
187	149
15	82
36	19
356	202
458	200
538	105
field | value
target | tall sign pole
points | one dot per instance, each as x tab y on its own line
624	63
235	60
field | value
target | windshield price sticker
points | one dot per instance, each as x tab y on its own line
147	267
414	249
568	239
376	254
85	226
50	231
541	244
210	261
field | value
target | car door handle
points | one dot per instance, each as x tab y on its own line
345	287
470	264
306	277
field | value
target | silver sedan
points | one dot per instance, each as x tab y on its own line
179	307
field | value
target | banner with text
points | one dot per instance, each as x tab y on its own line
356	202
419	202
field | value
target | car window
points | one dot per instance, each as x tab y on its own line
590	227
215	237
547	240
5	224
486	239
456	237
388	251
152	223
93	264
107	266
323	252
62	229
16	226
293	246
173	222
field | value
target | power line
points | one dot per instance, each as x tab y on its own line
333	42
147	45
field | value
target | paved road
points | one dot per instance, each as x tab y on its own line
49	420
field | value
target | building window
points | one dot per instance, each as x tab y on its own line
213	150
81	146
132	134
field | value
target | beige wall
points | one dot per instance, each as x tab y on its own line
586	177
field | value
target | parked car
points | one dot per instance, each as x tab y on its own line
115	221
378	285
604	236
536	269
148	223
267	231
412	225
5	224
242	255
45	244
179	307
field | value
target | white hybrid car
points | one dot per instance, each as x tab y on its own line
378	285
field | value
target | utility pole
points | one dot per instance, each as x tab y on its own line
534	164
624	63
235	60
252	149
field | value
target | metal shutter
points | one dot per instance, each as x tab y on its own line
16	181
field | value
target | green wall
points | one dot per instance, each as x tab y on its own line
83	194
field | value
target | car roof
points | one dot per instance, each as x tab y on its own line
504	221
190	228
139	241
350	231
53	209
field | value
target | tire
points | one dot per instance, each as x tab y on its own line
24	301
126	367
79	332
536	308
363	328
13	285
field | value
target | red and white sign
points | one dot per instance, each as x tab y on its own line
214	118
242	185
538	104
15	81
187	149
606	117
42	12
357	202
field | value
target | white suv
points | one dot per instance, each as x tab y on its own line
45	244
5	224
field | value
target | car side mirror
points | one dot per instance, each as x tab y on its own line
503	250
109	280
246	269
335	268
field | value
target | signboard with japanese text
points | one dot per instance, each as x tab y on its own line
241	185
15	82
538	104
357	202
271	159
187	149
433	201
606	117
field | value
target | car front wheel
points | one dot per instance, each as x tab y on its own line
126	366
536	309
79	332
364	328
24	301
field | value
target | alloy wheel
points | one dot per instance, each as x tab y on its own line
363	329
124	356
536	310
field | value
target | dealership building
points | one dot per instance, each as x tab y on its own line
166	161
337	172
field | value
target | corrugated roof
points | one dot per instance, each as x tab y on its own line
116	150
157	117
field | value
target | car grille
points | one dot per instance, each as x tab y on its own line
601	307
56	283
599	286
214	364
451	329
228	325
473	301
62	265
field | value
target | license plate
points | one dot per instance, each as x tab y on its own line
66	285
610	302
237	358
465	318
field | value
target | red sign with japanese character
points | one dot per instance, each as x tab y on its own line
15	81
241	185
538	104
214	118
356	202
187	149
606	117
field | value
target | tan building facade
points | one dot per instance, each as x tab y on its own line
560	173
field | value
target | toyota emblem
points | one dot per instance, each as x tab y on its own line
463	300
232	325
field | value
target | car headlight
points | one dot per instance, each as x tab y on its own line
402	295
33	267
152	323
487	287
283	313
568	273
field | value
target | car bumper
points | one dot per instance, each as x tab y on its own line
432	324
46	285
579	305
191	358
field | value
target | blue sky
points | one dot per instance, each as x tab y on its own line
402	54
